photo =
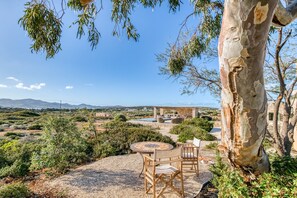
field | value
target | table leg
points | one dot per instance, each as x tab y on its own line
142	164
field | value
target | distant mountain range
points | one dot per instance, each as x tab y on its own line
39	104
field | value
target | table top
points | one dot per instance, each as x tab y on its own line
149	147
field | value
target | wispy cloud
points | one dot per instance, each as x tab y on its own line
3	86
69	87
12	78
89	84
31	87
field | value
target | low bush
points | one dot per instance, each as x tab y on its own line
120	117
118	124
16	190
212	145
14	135
26	114
180	128
20	127
5	125
195	132
80	119
16	157
200	122
177	120
280	182
160	120
35	127
118	138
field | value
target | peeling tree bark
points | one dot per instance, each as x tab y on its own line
242	44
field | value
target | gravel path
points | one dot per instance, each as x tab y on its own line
117	177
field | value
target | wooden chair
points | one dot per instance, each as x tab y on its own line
190	154
164	167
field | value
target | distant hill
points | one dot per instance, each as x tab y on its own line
39	104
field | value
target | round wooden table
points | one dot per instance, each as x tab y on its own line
149	148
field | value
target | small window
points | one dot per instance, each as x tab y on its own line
270	116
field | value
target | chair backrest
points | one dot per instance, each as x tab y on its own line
196	142
167	155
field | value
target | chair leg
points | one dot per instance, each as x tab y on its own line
154	189
145	185
182	184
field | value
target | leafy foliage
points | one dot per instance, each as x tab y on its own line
120	135
16	190
116	125
212	145
63	146
200	122
280	182
43	22
87	20
79	118
43	27
120	118
196	127
195	132
16	157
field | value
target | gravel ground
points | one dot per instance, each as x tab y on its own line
117	176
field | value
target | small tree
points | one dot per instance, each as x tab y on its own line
63	145
281	81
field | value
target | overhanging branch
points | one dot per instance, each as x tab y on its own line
284	16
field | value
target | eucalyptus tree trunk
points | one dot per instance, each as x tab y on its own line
241	49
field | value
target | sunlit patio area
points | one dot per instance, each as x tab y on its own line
118	176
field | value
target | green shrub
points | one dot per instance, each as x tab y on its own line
35	127
212	145
16	158
63	146
180	128
12	118
18	169
118	124
196	127
195	132
79	118
205	117
119	136
13	134
26	114
104	149
120	117
200	122
280	182
16	190
3	160
160	120
177	120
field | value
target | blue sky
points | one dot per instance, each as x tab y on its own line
117	72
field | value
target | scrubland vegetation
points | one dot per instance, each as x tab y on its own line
53	142
39	142
196	127
281	181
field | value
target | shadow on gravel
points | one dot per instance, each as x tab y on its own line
94	180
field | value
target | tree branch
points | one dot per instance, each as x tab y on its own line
284	16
